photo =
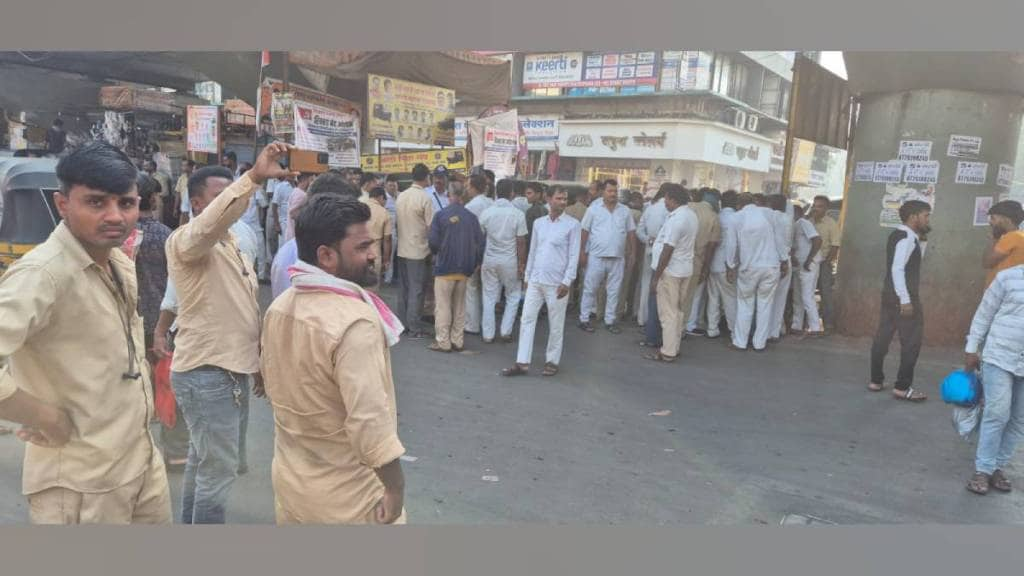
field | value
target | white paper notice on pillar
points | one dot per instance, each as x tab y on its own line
964	146
915	150
973	173
1005	177
889	172
921	172
982	204
864	172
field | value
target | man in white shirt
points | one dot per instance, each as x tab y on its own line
550	270
673	257
367	182
252	218
651	221
504	225
609	234
722	292
391	187
807	259
758	263
438	190
477	204
785	223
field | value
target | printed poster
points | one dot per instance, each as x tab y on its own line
203	129
1005	177
982	204
500	151
864	172
282	113
921	172
403	111
964	146
973	173
889	172
325	130
915	150
895	196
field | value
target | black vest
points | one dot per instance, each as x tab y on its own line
912	269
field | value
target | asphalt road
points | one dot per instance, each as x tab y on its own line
720	437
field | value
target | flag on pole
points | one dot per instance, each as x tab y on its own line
265	58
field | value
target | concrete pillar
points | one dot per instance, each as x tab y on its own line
953	278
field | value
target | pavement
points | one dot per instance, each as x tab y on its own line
719	437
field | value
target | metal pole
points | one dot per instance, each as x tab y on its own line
788	158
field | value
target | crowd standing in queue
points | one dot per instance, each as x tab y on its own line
172	274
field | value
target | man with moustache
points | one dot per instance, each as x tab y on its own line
328	376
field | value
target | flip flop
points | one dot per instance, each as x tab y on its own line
435	347
659	357
1000	482
979	483
550	369
910	395
876	387
516	370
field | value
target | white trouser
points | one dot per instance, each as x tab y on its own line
779	306
536	296
609	271
755	290
803	299
473	304
645	287
495	276
721	295
694	317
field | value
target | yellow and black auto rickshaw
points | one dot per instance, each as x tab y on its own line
29	214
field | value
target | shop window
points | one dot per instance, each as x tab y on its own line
771	95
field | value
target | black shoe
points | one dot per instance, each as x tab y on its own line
697	332
586	327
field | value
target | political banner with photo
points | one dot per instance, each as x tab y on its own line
325	130
403	111
501	149
454	159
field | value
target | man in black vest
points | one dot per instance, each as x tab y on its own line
901	301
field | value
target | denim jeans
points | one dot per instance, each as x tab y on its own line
1002	422
211	401
243	426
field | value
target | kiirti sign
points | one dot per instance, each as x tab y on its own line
552	70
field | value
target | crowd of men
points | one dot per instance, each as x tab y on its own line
182	286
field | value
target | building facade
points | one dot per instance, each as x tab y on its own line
707	118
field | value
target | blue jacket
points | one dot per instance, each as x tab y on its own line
457	241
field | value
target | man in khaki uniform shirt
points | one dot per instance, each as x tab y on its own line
72	357
217	345
828	229
380	230
414	211
328	377
709	235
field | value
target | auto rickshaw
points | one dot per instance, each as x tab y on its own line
29	214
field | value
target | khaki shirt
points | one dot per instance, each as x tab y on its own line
327	370
828	229
379	225
414	211
64	339
218	312
709	229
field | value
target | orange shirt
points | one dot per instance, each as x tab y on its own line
1011	244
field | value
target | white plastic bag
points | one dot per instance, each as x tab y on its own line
966	419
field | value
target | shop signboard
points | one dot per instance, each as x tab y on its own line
402	163
552	70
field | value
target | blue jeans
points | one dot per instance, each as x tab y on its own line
652	328
211	401
1002	422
